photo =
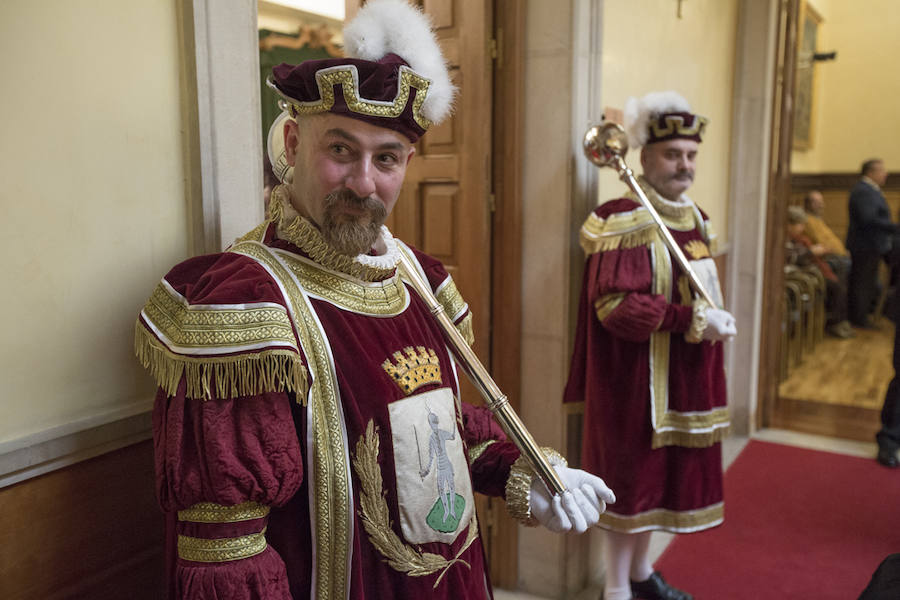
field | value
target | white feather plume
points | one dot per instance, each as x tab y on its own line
639	111
384	26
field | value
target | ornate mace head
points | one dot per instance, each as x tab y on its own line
604	142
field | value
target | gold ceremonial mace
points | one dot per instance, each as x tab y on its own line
605	145
496	400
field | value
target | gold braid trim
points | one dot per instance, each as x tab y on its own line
466	329
518	486
643	236
210	512
347	77
664	519
604	305
687	439
376	519
694	335
478	449
303	234
241	375
221	549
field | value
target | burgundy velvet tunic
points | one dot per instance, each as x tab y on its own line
327	445
654	404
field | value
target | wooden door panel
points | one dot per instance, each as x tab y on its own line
443	208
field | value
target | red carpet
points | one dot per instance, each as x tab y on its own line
799	524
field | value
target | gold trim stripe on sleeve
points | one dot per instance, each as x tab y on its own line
210	512
221	549
478	449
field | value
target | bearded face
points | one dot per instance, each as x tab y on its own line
347	177
350	224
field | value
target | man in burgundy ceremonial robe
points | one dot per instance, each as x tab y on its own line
646	363
309	439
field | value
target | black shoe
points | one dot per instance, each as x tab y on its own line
656	588
888	457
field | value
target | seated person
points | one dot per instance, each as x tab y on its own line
818	232
802	252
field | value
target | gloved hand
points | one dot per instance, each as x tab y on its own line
720	325
578	508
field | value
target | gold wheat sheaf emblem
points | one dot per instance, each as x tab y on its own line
417	368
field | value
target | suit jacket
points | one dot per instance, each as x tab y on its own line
871	228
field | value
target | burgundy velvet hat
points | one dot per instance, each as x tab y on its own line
661	116
394	76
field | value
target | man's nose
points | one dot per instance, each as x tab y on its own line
361	179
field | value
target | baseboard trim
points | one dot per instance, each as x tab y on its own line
64	445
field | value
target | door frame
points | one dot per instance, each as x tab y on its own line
777	201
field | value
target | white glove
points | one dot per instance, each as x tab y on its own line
720	325
578	508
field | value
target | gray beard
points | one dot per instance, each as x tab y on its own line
351	236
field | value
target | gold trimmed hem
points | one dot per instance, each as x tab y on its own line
210	512
689	439
661	519
219	550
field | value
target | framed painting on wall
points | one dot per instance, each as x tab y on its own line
805	78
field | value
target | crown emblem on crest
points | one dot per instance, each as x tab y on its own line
697	249
417	368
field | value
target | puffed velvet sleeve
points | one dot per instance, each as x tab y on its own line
217	336
220	465
619	289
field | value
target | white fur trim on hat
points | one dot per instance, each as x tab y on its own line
385	26
638	113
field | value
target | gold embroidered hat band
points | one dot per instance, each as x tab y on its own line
661	116
394	75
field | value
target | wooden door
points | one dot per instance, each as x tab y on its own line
778	197
446	210
444	206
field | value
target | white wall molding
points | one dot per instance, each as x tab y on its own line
222	111
56	447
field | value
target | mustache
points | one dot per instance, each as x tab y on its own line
348	197
681	175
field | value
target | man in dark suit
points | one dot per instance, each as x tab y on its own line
869	239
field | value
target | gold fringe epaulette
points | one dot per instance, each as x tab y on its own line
249	373
619	230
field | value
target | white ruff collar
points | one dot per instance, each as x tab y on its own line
296	229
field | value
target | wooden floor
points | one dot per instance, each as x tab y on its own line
839	388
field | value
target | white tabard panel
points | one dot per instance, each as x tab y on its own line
706	271
434	490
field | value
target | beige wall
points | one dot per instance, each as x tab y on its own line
855	97
92	190
646	48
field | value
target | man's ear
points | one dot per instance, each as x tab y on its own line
412	151
291	139
644	158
